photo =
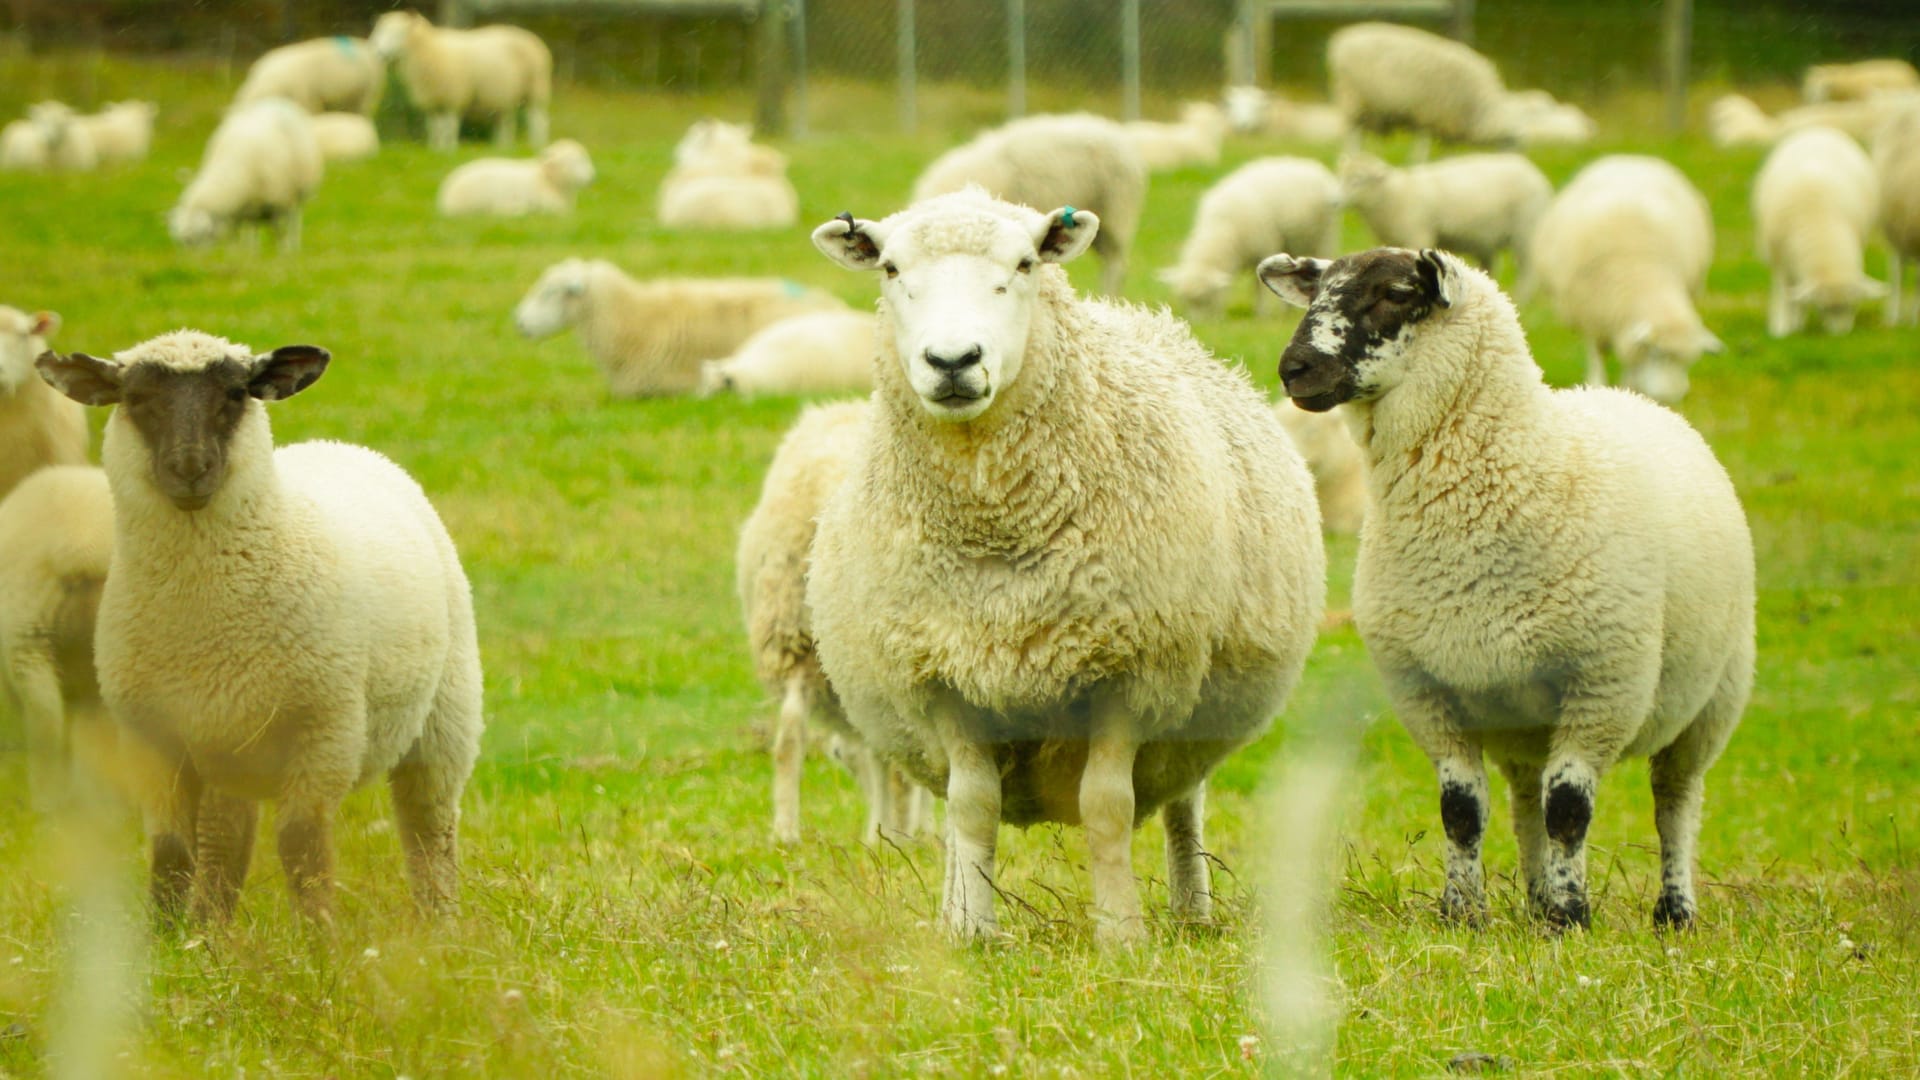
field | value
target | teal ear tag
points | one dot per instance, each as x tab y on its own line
1066	217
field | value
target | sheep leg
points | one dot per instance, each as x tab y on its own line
504	128
873	784
443	130
1896	277
171	828
305	841
973	825
287	227
1529	829
1189	888
1781	317
1106	809
537	126
789	750
1596	720
1434	722
1596	364
224	838
1679	787
426	807
36	684
906	806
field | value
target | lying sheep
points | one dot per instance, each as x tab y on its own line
1078	563
1896	159
278	624
1734	120
1535	118
650	337
1556	579
1075	160
52	137
1858	80
820	352
122	132
345	136
1385	77
1814	205
1622	253
37	426
1194	140
1477	204
261	166
717	148
1277	203
487	73
505	188
56	528
1339	469
728	202
1252	110
771	569
330	74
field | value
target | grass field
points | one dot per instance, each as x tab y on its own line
625	912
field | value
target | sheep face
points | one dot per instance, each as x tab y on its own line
1837	302
21	341
567	165
959	284
715	379
1654	359
391	32
191	226
186	410
555	301
1362	313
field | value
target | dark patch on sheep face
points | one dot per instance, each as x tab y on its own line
1361	309
1461	814
1569	812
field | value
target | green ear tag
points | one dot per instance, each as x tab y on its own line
1066	217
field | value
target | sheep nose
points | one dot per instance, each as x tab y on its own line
952	364
191	465
1295	362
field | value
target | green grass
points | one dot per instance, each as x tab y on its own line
625	913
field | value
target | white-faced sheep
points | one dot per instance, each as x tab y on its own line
771	568
1076	160
490	72
650	337
1267	205
1339	469
121	132
1814	205
1252	110
1858	80
52	137
37	426
1078	564
261	166
819	352
1194	140
56	528
709	201
1622	253
1385	77
330	74
1476	204
1555	579
278	624
1734	120
1896	158
344	136
506	188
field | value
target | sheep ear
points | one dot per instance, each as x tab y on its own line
88	380
1711	344
1065	233
1869	289
850	241
47	323
1297	281
1634	336
286	371
1439	276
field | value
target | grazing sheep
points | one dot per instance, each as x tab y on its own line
1814	205
56	528
1078	564
812	461
504	188
1476	204
1339	470
487	73
262	164
650	337
1556	579
53	137
728	202
1622	253
1859	80
1194	140
1734	120
1896	158
1075	160
1269	204
1251	110
820	352
37	426
1384	77
345	136
121	132
330	74
278	624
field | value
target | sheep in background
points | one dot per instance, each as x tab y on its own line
121	132
1734	120
1858	80
1265	205
1477	204
1814	205
722	180
1622	254
345	136
489	72
650	337
1384	77
1555	579
820	352
502	187
1339	469
331	74
261	166
717	148
1896	159
278	624
52	137
1194	140
38	427
1078	160
1535	118
1078	562
1251	110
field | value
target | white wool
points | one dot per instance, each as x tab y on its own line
1896	159
745	201
1384	76
1815	203
1193	140
1734	120
1860	119
1267	205
502	187
330	74
38	425
821	352
718	148
1339	469
490	72
121	132
53	137
344	136
1858	80
261	165
1477	204
1535	118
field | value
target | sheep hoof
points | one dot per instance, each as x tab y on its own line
1569	914
1125	933
1673	912
1458	908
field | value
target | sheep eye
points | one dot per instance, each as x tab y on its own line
1400	294
236	394
892	270
1025	267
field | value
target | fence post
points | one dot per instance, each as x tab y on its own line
770	68
1016	59
1463	21
797	52
1130	59
1679	48
903	50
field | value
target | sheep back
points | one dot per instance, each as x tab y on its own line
1383	76
322	75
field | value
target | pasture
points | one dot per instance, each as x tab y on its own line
624	910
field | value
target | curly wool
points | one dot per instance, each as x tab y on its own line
1384	76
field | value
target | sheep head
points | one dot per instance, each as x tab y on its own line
1362	314
22	338
555	301
959	282
393	31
